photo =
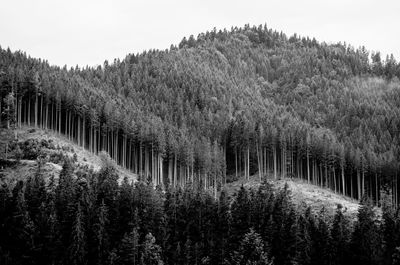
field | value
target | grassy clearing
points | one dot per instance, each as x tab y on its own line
61	144
304	195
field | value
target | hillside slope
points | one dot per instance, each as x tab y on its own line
303	194
52	146
249	100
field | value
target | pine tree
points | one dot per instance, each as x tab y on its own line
125	208
20	229
78	247
321	240
340	237
151	252
35	193
366	238
283	229
102	241
390	229
65	202
304	242
222	229
240	216
251	251
128	252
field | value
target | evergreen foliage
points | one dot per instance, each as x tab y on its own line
228	103
224	105
181	226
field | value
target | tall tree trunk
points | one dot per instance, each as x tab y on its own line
59	118
140	158
334	179
170	170
175	171
363	182
376	189
358	185
275	163
343	181
29	111
36	109
84	132
1	110
47	115
236	163
258	161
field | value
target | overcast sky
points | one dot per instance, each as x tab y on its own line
86	32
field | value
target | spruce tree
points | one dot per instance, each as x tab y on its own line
151	252
78	246
366	239
340	237
251	251
102	240
128	251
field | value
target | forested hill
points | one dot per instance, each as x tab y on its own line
246	101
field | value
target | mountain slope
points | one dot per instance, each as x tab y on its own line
240	102
303	194
37	144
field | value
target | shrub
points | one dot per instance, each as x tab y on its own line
30	148
57	157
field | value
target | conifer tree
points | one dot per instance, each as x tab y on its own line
78	247
340	237
366	238
151	252
251	251
102	241
128	252
240	216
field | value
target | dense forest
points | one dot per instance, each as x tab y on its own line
224	105
88	218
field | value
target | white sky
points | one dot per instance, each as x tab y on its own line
86	32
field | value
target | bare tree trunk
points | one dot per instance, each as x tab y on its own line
358	185
175	171
363	182
1	100
140	158
41	111
161	171
258	161
275	163
84	132
236	163
376	189
248	162
343	181
308	166
47	115
170	170
59	120
29	111
36	109
334	179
